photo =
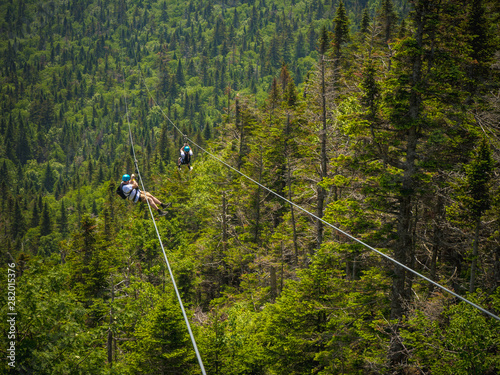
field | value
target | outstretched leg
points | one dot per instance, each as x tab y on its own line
154	202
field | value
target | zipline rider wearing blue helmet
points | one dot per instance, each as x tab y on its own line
130	190
185	158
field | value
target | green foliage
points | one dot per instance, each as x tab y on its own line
315	323
454	340
404	99
229	342
53	337
161	340
473	192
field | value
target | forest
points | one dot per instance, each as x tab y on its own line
381	117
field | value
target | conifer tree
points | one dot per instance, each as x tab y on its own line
90	266
365	21
179	75
474	199
10	141
46	221
388	19
23	150
163	343
35	216
63	220
341	29
482	46
18	225
323	170
49	178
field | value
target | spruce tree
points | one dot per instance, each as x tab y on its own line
49	178
179	75
365	21
341	29
473	199
35	216
63	220
23	150
17	223
46	221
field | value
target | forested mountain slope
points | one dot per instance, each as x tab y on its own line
380	116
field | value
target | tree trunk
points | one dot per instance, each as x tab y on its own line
404	243
110	333
239	125
257	203
436	238
273	284
224	222
289	185
323	159
475	253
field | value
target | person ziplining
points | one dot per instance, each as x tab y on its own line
185	157
129	189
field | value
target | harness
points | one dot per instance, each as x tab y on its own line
134	198
186	159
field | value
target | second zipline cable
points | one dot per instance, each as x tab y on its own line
320	219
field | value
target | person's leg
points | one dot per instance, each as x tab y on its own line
145	196
152	198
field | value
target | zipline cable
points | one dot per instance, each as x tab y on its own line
323	221
200	362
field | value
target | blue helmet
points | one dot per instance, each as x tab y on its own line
125	177
186	149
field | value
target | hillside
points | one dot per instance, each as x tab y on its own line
378	116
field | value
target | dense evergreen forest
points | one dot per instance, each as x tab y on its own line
380	116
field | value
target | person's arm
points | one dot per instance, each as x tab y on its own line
134	184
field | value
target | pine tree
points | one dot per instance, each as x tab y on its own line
35	216
90	266
46	221
23	150
49	178
323	169
17	224
206	132
162	331
10	141
341	29
482	46
388	19
473	199
371	91
365	21
179	75
63	220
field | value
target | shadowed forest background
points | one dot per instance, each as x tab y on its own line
380	116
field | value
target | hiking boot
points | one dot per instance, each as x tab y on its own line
166	205
161	213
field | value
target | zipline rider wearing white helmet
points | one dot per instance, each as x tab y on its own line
130	190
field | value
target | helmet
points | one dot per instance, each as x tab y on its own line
186	149
125	177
